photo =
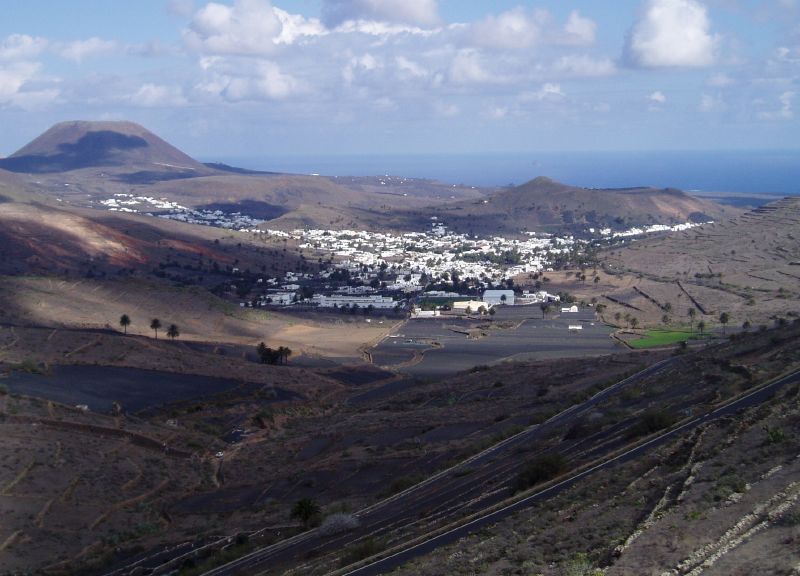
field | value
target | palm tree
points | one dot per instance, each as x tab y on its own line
155	324
724	318
692	314
173	331
283	354
125	321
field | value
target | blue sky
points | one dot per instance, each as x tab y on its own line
294	77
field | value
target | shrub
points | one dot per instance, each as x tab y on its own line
651	421
542	468
337	523
365	549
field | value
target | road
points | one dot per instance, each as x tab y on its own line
478	483
469	485
747	401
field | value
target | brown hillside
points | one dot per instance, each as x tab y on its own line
544	202
81	144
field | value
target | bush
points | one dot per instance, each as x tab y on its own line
337	523
651	421
365	549
542	468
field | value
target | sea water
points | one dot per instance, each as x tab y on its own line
754	172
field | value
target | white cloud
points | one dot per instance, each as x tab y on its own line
155	95
295	26
16	80
579	30
467	68
375	28
447	110
358	65
237	82
13	77
582	65
424	13
709	103
498	112
658	97
82	49
21	47
549	92
671	33
249	27
719	80
514	29
385	104
785	112
409	68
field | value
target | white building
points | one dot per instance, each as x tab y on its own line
473	305
573	308
281	298
498	297
342	300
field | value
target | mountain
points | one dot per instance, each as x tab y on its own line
80	144
543	202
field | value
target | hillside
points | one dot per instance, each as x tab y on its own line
74	145
748	266
542	202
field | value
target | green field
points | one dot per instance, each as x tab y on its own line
654	338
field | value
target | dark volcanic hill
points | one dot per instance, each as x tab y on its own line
74	145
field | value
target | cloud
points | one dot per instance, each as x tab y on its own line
498	112
579	30
785	112
514	29
719	80
447	109
237	81
79	50
549	92
181	8
671	33
409	68
21	47
582	65
249	27
658	97
17	81
359	65
155	95
709	103
424	13
295	27
467	68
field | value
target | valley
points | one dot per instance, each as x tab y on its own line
467	380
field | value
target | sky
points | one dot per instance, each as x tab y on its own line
328	77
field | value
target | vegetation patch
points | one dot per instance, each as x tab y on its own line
653	338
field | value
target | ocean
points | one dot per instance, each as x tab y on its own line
754	172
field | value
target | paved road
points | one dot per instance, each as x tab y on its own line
752	399
441	494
